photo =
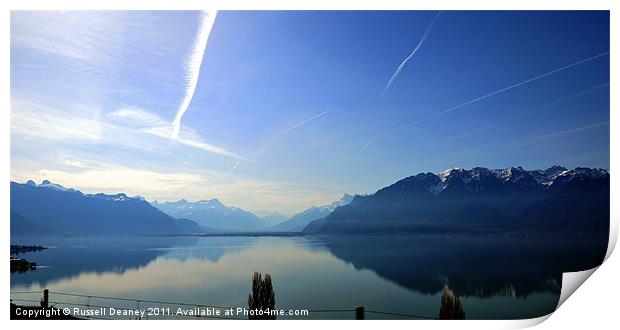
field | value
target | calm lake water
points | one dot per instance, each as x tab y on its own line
495	277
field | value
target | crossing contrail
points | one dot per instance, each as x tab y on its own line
415	50
193	67
512	143
234	166
464	104
539	138
304	122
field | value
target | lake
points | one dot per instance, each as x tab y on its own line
495	277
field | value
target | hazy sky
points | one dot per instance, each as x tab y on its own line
283	110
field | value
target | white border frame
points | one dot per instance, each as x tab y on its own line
593	305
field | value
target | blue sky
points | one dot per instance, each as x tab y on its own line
289	108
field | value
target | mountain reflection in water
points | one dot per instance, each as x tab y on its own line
480	266
497	277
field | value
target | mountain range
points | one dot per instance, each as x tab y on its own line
215	215
211	213
480	199
271	218
50	208
300	220
457	200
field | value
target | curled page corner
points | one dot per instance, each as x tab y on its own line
572	281
528	323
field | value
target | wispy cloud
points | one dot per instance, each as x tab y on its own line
87	36
413	52
35	120
121	179
480	98
303	122
193	184
151	123
193	67
208	147
136	117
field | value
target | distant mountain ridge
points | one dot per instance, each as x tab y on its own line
300	220
477	200
213	214
52	208
271	218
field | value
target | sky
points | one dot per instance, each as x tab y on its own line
281	110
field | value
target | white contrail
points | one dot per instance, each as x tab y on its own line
193	67
459	106
512	143
208	147
234	167
304	122
415	50
191	141
578	94
538	138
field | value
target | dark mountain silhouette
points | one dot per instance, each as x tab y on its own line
22	226
50	208
581	204
480	199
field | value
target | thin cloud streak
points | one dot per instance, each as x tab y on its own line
539	138
270	141
499	91
304	122
164	132
512	143
193	67
578	94
208	147
413	52
233	167
151	123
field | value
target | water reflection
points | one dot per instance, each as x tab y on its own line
480	266
496	277
71	256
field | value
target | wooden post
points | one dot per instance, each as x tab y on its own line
46	298
359	313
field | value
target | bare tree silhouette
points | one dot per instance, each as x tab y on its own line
261	298
451	308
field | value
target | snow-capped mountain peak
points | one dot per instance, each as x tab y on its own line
345	200
518	174
213	203
50	185
212	213
481	179
120	197
449	172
